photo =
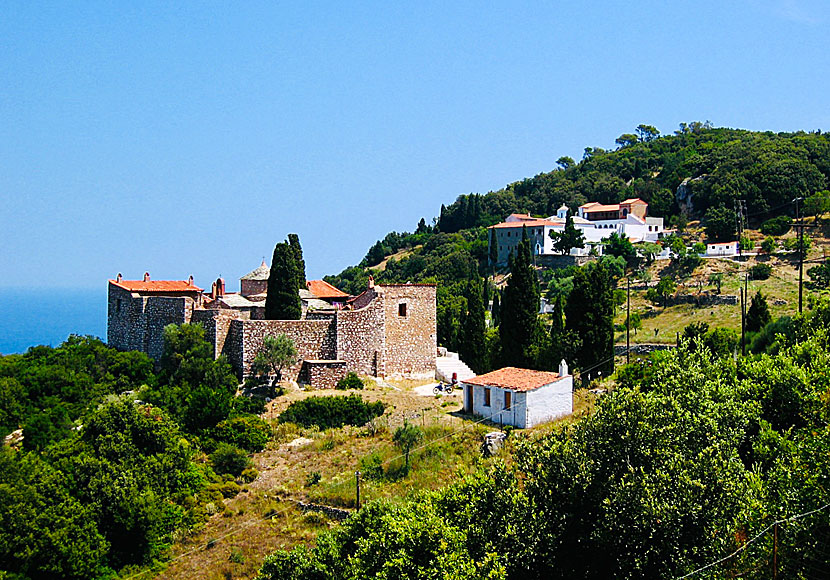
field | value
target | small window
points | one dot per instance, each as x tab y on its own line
402	309
486	397
507	401
118	305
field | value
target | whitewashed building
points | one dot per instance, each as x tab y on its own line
596	222
721	249
520	397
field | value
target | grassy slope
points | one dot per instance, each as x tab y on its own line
782	285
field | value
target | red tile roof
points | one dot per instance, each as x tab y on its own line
632	200
528	223
515	379
324	290
522	216
594	207
156	285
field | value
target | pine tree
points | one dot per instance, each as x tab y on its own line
589	314
571	237
283	301
758	315
519	308
473	349
294	242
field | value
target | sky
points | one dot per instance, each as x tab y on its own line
189	138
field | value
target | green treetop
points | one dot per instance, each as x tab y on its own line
570	237
283	301
519	308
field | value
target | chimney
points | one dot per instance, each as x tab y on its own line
146	276
220	287
118	278
563	368
213	291
371	283
190	281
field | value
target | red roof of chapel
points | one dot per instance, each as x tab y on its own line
322	289
515	379
156	285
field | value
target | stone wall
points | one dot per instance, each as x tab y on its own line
360	337
322	374
313	339
217	324
251	287
137	322
556	261
410	344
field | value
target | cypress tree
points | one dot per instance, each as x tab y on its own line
758	316
519	308
473	349
493	250
294	242
283	301
495	313
589	314
558	325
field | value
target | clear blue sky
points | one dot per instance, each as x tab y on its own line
189	138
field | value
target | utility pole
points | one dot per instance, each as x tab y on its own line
800	226
775	551
357	488
628	321
739	222
744	295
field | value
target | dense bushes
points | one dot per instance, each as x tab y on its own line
246	431
328	412
350	381
777	226
760	271
229	459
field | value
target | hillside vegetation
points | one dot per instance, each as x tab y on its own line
696	173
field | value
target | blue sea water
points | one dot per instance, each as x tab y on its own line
48	316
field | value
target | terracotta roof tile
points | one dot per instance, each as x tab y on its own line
515	379
632	200
323	289
528	223
156	285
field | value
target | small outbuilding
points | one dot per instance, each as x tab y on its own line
520	397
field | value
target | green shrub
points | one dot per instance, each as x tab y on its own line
777	226
760	271
250	474
248	432
243	405
329	412
350	381
313	478
229	459
228	489
371	466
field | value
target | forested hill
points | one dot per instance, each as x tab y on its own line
766	169
715	165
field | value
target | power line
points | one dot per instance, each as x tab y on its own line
755	539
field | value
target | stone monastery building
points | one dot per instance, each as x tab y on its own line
388	330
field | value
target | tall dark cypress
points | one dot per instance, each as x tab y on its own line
493	250
294	242
473	349
519	309
283	301
495	313
589	313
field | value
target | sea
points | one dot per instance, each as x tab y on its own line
33	316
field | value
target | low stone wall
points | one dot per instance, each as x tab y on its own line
332	512
322	374
705	299
552	261
642	349
313	339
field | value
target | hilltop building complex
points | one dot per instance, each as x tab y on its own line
388	330
596	222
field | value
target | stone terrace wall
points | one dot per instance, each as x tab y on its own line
314	340
410	345
322	374
360	338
